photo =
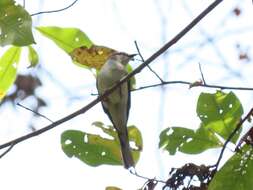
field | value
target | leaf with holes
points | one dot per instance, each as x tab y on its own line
8	69
172	138
91	57
135	138
220	112
33	57
134	134
202	140
187	140
67	39
15	24
95	150
91	149
237	172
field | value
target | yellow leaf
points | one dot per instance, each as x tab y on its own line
112	188
93	57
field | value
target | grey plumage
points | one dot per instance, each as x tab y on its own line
117	104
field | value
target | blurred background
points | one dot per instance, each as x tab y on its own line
221	43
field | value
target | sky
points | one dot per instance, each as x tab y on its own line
40	163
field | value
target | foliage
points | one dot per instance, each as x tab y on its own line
202	174
67	39
219	113
8	69
74	42
112	188
15	24
187	140
236	174
95	150
92	57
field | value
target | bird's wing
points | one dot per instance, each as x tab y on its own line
115	97
129	97
104	106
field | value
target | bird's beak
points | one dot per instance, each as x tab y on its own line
131	56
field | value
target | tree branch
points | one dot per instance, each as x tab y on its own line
8	150
124	79
146	178
190	84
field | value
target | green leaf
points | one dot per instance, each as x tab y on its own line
15	24
172	138
8	69
95	150
32	56
187	140
220	112
66	38
134	137
202	140
237	172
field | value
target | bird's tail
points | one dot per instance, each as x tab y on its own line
125	150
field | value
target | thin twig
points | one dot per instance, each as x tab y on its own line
54	11
8	150
190	86
23	3
189	182
198	85
139	53
146	178
37	113
138	50
202	75
238	126
123	80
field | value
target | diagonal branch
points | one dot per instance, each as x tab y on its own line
35	112
124	79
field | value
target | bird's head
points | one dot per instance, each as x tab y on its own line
123	58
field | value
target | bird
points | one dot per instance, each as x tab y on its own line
117	104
